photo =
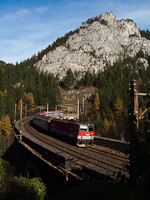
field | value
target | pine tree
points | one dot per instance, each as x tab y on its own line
69	79
30	99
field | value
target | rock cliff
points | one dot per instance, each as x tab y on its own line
95	45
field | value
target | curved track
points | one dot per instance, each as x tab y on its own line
102	159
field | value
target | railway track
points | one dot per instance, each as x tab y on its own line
103	160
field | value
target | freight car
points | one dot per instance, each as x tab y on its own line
80	133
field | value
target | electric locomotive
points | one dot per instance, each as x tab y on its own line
80	133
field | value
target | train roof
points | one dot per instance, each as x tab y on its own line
47	113
45	116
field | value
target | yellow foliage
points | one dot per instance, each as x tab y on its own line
29	98
19	105
96	102
140	81
5	126
3	93
106	124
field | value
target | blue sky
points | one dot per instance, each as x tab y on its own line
28	26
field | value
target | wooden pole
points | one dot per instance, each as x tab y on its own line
47	109
83	106
21	121
78	109
136	106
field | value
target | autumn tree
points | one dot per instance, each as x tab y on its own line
19	105
96	102
5	126
5	132
29	99
97	106
3	94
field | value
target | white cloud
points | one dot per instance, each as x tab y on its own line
14	15
40	9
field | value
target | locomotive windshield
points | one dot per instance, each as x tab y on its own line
83	128
91	128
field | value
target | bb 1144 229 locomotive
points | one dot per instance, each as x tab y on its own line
80	133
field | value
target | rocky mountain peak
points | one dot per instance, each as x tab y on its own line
95	45
109	17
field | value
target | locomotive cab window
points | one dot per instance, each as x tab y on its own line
91	129
83	129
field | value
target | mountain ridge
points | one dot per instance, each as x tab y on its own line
95	46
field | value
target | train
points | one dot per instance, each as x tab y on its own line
77	132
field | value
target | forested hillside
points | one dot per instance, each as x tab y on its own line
111	103
26	82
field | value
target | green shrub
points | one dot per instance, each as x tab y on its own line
19	188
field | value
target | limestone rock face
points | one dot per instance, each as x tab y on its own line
95	45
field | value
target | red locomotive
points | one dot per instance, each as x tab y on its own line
81	133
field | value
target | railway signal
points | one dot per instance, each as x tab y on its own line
133	87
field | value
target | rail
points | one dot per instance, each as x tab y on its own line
69	159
